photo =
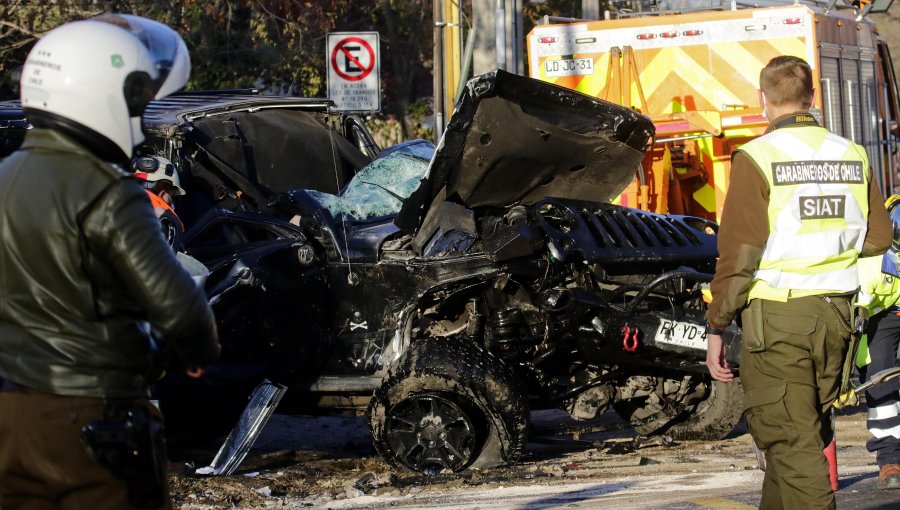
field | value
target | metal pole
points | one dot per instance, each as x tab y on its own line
466	64
438	9
500	33
516	37
590	9
888	145
453	33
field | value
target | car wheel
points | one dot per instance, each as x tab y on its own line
448	405
716	416
431	431
710	418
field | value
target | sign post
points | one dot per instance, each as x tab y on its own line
354	71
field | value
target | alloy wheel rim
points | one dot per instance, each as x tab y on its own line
430	433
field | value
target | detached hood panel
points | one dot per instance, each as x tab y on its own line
515	140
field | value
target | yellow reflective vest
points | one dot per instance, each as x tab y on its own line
877	291
818	211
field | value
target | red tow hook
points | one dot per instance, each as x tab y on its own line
630	340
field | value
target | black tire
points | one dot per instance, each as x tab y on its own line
451	405
712	418
716	416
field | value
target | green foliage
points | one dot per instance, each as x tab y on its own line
277	46
419	109
564	8
21	23
406	44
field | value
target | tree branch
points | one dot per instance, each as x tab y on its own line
18	28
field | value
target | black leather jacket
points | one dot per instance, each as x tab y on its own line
83	268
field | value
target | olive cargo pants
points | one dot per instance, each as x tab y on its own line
43	464
791	365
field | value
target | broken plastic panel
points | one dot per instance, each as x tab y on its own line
263	401
377	190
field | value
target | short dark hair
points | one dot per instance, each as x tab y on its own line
787	80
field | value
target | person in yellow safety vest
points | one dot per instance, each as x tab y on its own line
801	208
879	295
160	177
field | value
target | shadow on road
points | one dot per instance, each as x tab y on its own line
850	481
558	500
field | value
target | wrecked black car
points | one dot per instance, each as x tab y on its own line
444	291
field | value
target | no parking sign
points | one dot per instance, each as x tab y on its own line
354	71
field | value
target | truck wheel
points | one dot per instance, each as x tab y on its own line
450	405
711	418
714	417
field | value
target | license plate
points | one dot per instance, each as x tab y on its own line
569	67
684	334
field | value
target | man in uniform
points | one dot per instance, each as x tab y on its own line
802	207
83	271
879	295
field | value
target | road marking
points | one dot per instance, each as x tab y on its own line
721	504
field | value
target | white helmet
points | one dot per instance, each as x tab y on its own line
100	74
155	169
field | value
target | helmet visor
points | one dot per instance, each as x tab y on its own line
166	48
145	165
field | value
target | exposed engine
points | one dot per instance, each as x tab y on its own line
583	294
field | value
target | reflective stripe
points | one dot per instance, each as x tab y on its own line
882	412
880	433
844	280
813	245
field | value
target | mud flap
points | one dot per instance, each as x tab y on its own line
263	401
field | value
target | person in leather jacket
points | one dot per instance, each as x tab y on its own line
85	275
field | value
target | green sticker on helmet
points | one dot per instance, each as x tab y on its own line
117	60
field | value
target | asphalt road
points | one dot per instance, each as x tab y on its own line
329	463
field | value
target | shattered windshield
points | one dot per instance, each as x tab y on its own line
380	188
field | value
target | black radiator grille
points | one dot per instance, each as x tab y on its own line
614	234
638	229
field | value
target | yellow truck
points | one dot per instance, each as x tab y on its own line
695	73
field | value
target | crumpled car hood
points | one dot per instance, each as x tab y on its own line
515	140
